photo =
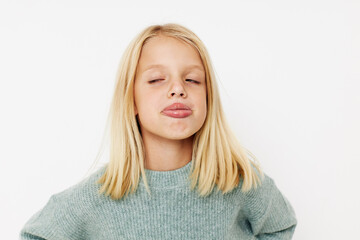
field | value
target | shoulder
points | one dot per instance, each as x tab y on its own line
267	203
66	212
83	193
263	186
263	189
82	197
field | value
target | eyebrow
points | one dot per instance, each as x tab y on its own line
194	66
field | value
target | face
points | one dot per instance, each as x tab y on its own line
169	71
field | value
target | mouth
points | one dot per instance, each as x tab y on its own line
177	113
177	106
177	110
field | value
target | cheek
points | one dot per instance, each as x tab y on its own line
139	98
147	103
202	99
136	95
204	105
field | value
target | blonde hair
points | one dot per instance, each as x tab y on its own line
217	156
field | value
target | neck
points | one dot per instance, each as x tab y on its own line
167	154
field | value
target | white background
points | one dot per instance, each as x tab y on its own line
288	72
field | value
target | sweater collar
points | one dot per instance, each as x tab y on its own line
167	179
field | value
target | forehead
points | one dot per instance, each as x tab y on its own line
160	67
161	51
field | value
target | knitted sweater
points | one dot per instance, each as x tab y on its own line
172	211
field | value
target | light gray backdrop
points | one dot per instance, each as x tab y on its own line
288	73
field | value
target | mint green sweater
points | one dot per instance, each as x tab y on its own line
171	212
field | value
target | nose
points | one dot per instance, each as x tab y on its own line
181	94
177	88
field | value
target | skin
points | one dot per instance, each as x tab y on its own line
168	141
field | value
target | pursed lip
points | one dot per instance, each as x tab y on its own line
177	106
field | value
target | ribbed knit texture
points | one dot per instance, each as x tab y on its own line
171	212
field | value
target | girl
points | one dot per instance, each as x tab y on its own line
176	170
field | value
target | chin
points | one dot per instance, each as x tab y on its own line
180	136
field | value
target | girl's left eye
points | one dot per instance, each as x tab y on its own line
155	80
192	80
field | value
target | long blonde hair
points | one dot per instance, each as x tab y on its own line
217	156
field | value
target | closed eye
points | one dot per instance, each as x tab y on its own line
155	80
152	81
193	81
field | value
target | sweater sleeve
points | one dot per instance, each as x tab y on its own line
58	219
269	213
